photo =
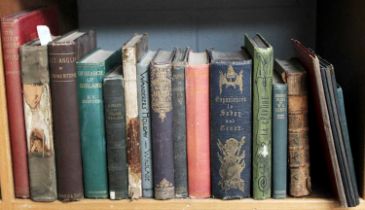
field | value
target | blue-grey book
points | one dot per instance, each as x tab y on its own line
280	136
230	124
144	121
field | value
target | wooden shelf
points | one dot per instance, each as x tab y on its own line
190	204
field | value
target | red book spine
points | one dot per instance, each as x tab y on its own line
197	121
17	30
11	41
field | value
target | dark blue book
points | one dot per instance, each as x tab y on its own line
161	127
280	136
230	124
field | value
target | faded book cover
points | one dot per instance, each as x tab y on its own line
38	121
132	52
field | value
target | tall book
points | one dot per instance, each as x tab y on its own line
295	76
114	106
16	30
63	53
197	124
279	136
310	61
38	121
263	61
90	73
132	52
145	123
161	118
230	124
179	122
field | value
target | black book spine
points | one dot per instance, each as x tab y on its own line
179	131
116	138
162	144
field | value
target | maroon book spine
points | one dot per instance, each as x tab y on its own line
16	30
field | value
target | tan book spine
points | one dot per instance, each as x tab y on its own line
132	123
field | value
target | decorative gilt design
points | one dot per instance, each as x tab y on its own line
161	91
164	184
230	79
231	156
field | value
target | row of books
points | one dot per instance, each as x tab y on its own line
87	122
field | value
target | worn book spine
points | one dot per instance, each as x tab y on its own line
38	123
114	106
65	112
132	123
197	130
92	132
161	118
280	139
230	128
179	128
300	183
15	31
262	117
145	125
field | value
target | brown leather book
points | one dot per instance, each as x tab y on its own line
132	52
311	63
63	54
294	75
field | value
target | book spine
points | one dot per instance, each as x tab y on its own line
280	139
11	40
145	129
132	124
197	121
114	106
230	129
262	117
91	112
38	123
65	111
179	131
161	118
300	184
346	140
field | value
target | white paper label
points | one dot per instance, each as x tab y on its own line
44	34
112	195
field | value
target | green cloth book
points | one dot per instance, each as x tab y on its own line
263	61
90	73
